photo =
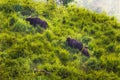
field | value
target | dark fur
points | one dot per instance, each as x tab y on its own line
78	45
85	52
37	21
75	44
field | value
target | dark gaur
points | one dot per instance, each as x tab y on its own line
78	45
37	21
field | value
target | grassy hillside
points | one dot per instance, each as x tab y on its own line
32	53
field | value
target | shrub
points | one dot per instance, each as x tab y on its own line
118	38
22	26
110	63
86	39
93	64
111	47
49	35
63	55
98	52
6	41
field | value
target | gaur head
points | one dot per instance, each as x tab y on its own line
85	51
68	39
31	21
28	19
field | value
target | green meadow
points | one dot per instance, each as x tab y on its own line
34	53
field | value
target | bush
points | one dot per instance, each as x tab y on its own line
22	26
118	38
49	35
6	41
63	55
98	52
93	64
33	53
110	63
86	39
111	47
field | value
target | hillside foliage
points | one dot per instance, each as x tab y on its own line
32	53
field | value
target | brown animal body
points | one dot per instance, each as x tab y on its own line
37	21
78	45
74	44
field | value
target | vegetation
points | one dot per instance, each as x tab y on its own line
32	53
65	2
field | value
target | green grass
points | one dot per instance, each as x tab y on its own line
26	51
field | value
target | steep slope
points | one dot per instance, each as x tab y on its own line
32	53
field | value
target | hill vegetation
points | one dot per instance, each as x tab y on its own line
32	53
